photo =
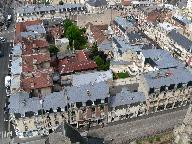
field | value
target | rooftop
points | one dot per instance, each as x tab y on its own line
166	77
123	45
161	58
16	66
79	62
34	59
34	44
17	50
97	3
105	46
91	78
180	40
36	80
123	23
45	8
181	19
21	103
125	97
36	28
21	26
83	93
166	26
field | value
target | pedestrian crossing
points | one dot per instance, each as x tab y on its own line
5	134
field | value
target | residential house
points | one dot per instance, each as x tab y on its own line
79	62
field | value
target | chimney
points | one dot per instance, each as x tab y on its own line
88	93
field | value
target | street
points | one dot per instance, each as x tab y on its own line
124	132
3	72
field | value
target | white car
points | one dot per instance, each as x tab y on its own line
7	81
2	39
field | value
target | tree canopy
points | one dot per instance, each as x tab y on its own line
74	34
99	57
53	49
61	2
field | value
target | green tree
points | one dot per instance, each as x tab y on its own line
66	24
53	49
99	61
75	36
94	50
61	2
83	30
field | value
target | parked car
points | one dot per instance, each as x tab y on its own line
1	53
2	39
7	81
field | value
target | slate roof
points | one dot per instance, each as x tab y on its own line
36	28
17	50
167	77
120	62
16	66
30	33
21	103
87	92
105	46
161	58
125	97
91	77
55	100
134	37
181	19
45	8
123	45
123	23
180	40
97	3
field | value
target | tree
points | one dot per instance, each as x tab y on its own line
66	24
99	61
53	49
61	2
83	30
94	50
75	36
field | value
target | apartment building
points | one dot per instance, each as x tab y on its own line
96	6
126	102
35	12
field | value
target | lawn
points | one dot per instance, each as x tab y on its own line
121	75
164	138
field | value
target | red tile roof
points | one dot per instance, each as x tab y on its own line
56	32
80	62
21	26
97	31
126	2
37	81
30	60
155	15
28	46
